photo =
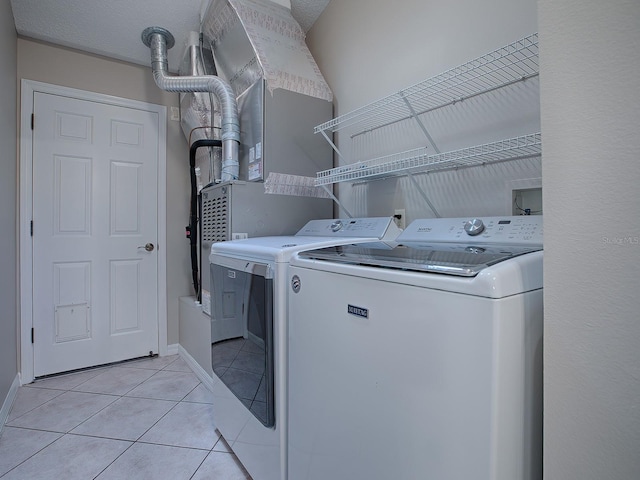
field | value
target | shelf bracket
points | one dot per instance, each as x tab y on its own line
420	124
424	195
335	149
333	197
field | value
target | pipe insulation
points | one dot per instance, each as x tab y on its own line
159	40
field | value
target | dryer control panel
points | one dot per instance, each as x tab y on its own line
508	230
383	228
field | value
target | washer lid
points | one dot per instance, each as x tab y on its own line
315	234
448	258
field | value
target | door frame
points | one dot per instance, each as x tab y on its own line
28	89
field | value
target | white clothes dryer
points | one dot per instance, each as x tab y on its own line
249	334
424	361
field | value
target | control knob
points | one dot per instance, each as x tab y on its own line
474	227
336	226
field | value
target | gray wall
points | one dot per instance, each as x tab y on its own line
8	202
70	68
590	66
367	52
590	97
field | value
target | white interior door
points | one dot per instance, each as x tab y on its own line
95	208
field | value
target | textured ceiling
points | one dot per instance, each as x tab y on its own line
306	12
112	28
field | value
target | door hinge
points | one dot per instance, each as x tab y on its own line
33	120
31	228
33	335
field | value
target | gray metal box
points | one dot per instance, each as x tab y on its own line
276	133
237	209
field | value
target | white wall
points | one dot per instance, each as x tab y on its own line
8	203
70	68
369	50
590	98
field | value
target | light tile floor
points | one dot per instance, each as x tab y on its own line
144	419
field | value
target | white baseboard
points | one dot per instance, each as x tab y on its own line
200	372
8	402
173	349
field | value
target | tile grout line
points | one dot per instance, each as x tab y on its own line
121	397
114	460
155	423
116	399
31	456
63	434
37	406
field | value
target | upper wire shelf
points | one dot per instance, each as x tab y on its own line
512	63
525	146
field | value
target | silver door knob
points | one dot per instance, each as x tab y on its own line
148	247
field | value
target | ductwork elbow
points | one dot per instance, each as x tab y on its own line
159	40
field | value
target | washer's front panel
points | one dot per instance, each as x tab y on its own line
397	381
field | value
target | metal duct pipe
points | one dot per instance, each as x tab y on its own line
159	40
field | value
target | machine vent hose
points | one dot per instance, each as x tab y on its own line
159	40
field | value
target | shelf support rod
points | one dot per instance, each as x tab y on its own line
335	149
420	124
333	197
423	195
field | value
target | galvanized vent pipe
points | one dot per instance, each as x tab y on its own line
159	40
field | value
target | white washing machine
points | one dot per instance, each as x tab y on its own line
249	334
422	362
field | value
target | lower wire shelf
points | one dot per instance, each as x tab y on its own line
419	161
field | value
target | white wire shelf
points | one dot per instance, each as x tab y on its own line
525	146
507	65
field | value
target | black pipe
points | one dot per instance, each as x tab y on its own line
193	214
